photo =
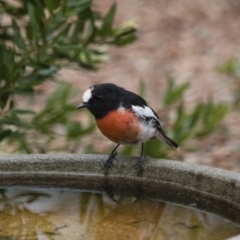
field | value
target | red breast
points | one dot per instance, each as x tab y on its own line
120	126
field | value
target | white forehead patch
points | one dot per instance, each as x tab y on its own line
87	95
143	111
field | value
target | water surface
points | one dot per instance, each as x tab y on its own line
59	214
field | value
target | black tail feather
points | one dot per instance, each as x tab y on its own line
165	139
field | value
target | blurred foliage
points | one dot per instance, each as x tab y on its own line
36	39
232	69
52	129
199	122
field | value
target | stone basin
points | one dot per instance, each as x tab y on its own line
205	188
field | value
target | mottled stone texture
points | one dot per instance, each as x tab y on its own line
205	188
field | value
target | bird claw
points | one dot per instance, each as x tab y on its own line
109	163
140	165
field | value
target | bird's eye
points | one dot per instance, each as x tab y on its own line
98	98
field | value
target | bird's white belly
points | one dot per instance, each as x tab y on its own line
147	132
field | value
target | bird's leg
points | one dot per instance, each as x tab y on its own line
109	190
108	164
141	163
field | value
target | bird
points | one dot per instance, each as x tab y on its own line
125	118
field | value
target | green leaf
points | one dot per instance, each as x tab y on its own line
126	28
8	65
12	119
75	131
68	47
173	92
195	116
24	112
32	27
78	3
80	24
180	90
48	71
180	115
106	28
211	116
124	40
17	36
4	134
59	35
231	68
52	5
5	36
169	90
142	88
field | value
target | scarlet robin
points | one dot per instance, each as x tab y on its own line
125	118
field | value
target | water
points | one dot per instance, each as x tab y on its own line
59	214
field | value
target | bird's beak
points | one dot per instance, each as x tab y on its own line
82	105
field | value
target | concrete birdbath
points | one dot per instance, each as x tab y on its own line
197	187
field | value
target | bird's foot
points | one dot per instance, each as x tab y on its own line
108	164
140	165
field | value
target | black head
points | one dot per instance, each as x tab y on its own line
101	98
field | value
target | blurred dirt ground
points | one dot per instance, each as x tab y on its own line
186	39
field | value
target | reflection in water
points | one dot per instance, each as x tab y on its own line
18	220
134	220
55	214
